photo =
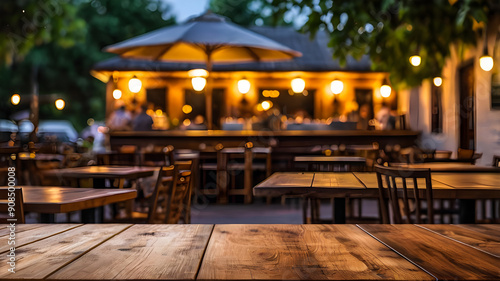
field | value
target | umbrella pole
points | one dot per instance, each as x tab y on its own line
208	92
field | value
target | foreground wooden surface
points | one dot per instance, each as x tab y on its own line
254	252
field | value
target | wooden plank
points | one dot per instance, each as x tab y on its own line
488	229
463	180
488	242
278	180
143	252
451	167
55	199
307	252
40	232
331	159
38	260
337	180
284	183
441	256
19	228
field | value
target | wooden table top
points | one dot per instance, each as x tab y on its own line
307	183
56	199
254	252
102	172
444	185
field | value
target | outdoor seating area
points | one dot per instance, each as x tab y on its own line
249	140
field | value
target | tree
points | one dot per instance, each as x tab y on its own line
66	70
246	13
28	23
390	31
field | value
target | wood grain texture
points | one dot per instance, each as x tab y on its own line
143	252
442	257
336	180
38	260
451	167
307	252
55	199
25	235
283	183
19	228
488	242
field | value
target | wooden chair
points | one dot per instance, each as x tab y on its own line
390	194
159	156
18	206
229	163
468	155
170	197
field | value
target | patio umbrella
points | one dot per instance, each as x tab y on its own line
207	39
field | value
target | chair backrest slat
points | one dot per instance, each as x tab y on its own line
392	176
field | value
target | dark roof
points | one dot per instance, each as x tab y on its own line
316	56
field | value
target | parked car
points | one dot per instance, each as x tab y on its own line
50	130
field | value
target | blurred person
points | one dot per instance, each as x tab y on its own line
120	119
385	119
142	121
364	118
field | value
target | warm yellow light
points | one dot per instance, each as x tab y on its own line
197	73
159	112
15	99
186	122
486	63
60	104
134	85
117	94
385	91
266	105
415	60
271	93
244	86
187	109
438	81
298	85
337	86
198	83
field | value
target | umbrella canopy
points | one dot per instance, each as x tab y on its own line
208	38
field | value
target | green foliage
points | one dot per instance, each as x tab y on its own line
246	13
390	31
65	69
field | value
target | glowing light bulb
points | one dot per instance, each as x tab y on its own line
438	81
298	85
337	86
60	104
15	99
415	60
486	63
117	94
243	86
198	83
385	91
134	85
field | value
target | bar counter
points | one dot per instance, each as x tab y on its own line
196	139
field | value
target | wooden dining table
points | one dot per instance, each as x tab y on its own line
465	187
120	173
50	200
254	252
